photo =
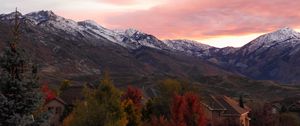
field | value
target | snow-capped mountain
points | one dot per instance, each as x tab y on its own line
285	37
129	38
273	56
190	47
79	51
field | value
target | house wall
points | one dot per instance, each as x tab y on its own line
58	109
245	120
216	118
213	117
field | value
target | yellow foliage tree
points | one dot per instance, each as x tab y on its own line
101	107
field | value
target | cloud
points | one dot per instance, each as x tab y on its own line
210	18
188	19
119	2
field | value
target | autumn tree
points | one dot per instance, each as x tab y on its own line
48	93
158	121
132	103
101	107
134	94
133	113
160	105
186	110
65	84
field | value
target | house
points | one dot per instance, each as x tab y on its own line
225	111
57	106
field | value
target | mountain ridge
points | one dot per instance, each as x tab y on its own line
281	47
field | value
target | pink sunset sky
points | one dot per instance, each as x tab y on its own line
215	22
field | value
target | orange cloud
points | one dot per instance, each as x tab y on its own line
195	19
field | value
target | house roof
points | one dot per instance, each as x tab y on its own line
212	103
57	99
226	104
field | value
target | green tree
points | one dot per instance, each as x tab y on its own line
160	104
20	95
101	107
65	84
133	113
289	119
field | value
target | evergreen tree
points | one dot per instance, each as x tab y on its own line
241	101
20	95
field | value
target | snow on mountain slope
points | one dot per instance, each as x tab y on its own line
284	37
190	47
129	38
49	19
273	56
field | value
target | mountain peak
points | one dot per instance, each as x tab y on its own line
10	15
41	16
44	13
278	36
285	31
131	31
282	37
90	23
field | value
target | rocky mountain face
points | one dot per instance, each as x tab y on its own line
80	51
273	56
85	48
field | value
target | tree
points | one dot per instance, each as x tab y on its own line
178	109
133	113
101	107
132	102
20	94
161	104
289	119
269	118
241	101
158	121
48	93
134	94
187	110
65	84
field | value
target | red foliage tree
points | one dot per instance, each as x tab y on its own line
134	94
178	111
187	110
48	93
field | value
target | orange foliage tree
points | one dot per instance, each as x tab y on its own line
132	103
186	110
134	94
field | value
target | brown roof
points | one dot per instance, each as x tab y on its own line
212	103
226	104
57	99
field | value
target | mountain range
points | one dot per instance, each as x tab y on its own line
80	51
